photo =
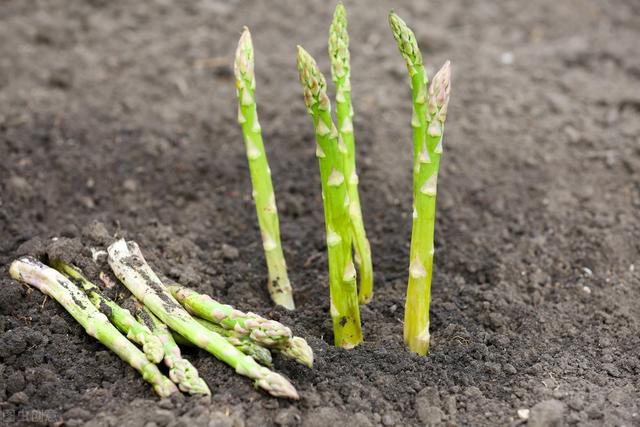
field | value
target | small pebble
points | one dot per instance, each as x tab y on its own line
229	252
523	414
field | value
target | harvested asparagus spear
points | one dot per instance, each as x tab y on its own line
429	113
131	268
340	73
261	354
181	371
54	284
244	325
268	333
330	151
120	317
263	194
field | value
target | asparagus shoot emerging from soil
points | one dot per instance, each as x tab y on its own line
340	73
261	354
429	113
331	152
268	333
120	317
181	371
263	195
130	267
54	284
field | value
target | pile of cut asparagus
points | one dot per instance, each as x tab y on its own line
161	314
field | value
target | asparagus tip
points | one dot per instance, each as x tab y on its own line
278	386
406	40
298	349
243	64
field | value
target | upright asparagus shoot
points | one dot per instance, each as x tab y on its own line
340	72
263	195
51	282
131	268
429	114
331	152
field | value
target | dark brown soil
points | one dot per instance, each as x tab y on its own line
124	112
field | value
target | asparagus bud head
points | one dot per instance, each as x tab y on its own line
407	42
339	43
439	93
313	82
243	67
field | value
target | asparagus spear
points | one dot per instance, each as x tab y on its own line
331	152
181	371
261	354
131	268
120	317
340	73
429	113
268	333
263	195
52	283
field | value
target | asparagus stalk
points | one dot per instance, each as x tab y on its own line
340	73
261	354
331	153
429	113
263	195
181	371
120	317
54	284
131	268
268	333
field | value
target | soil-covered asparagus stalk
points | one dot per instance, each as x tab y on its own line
331	152
429	113
263	194
58	287
340	73
131	268
120	317
268	333
181	371
261	354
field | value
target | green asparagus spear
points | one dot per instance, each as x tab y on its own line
120	317
54	284
261	354
130	267
429	113
340	72
268	333
181	371
331	152
263	195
